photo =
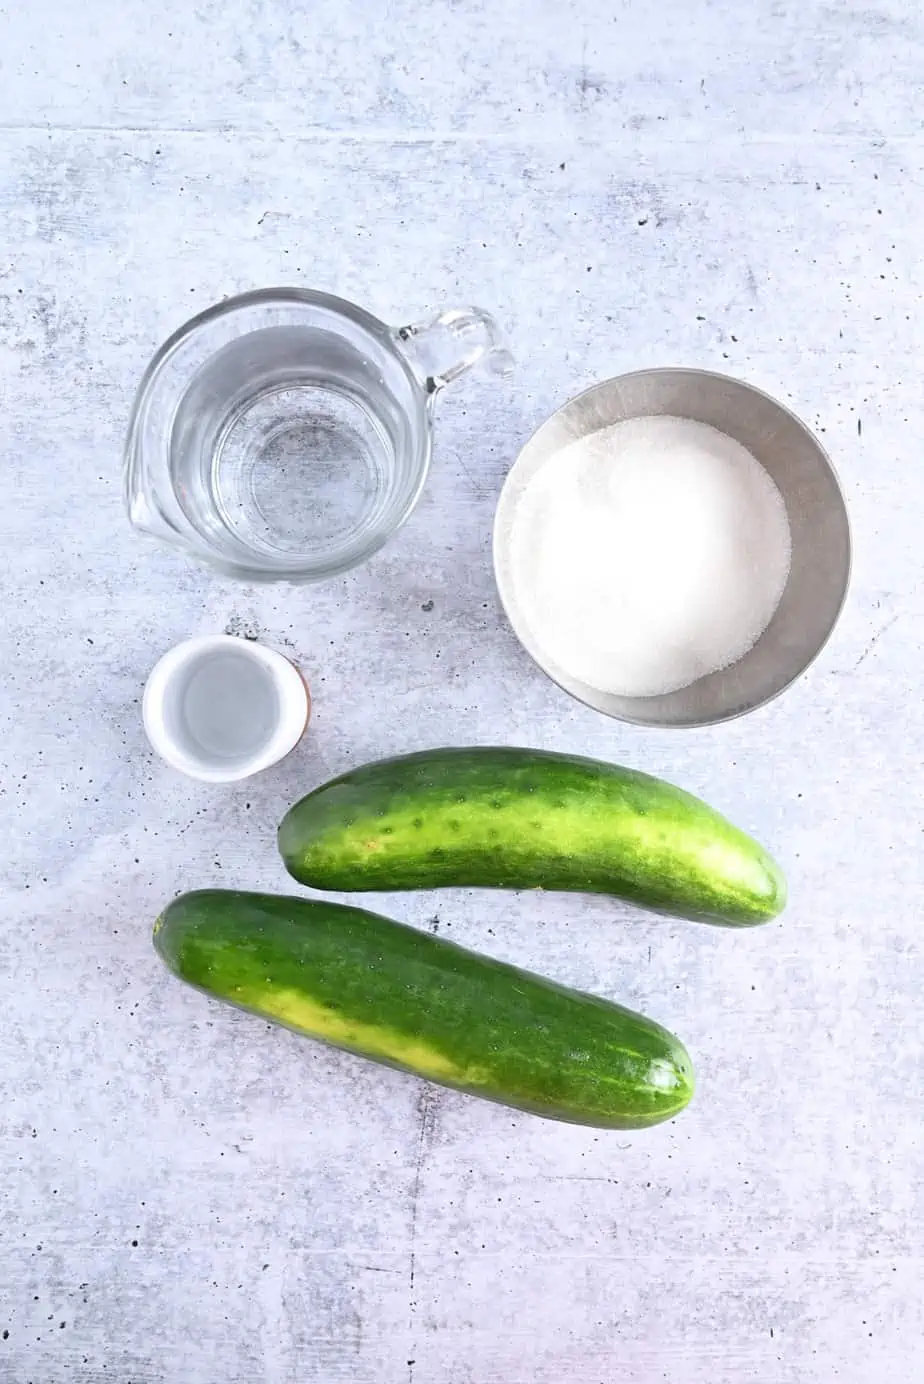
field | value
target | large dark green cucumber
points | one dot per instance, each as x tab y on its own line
524	819
375	987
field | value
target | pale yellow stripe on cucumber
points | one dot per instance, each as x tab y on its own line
731	867
526	823
297	1011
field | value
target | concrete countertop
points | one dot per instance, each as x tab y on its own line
189	1196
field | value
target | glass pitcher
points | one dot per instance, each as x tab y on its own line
284	435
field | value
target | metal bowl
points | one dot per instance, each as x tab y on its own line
817	586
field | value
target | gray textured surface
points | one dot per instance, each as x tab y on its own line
189	1197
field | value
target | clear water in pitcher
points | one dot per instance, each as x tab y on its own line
287	438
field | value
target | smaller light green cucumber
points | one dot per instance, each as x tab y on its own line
527	819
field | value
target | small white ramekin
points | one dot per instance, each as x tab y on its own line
175	671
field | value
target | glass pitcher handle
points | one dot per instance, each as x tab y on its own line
453	343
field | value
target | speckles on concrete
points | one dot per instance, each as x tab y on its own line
197	1196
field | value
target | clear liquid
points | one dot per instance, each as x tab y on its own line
289	443
227	709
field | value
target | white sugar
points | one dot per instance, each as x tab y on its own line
648	554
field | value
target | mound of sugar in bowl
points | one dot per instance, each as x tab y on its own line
648	554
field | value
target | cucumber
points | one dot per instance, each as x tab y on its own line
410	1000
524	819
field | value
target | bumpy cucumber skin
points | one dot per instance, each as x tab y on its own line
361	982
525	819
